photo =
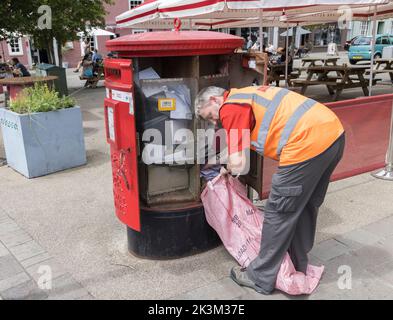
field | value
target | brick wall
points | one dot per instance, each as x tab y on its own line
22	57
73	56
118	8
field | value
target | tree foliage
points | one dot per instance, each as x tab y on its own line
68	17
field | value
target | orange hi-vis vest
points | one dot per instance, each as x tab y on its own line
289	127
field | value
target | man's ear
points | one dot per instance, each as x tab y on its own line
213	99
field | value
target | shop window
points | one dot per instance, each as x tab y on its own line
364	28
327	34
15	47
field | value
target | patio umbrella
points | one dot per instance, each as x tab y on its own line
94	32
226	10
299	31
230	9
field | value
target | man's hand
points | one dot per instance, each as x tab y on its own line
238	164
224	172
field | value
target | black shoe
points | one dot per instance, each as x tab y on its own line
239	275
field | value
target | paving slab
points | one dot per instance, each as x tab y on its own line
24	291
9	266
66	288
3	250
13	281
26	250
329	249
356	239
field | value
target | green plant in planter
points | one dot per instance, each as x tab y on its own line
40	98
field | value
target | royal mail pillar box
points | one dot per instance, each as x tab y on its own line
151	84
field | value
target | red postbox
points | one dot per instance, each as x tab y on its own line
160	203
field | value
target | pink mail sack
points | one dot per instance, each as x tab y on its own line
239	225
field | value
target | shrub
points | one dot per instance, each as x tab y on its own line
40	99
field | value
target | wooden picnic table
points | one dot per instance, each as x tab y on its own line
16	84
346	77
387	67
276	73
324	60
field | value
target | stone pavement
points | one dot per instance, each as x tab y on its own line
358	265
27	271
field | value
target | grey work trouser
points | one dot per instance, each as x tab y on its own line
291	215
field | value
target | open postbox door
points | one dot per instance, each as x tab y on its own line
122	136
254	178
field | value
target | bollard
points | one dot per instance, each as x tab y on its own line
387	172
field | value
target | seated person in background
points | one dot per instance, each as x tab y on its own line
270	50
97	62
308	47
255	46
85	50
249	43
97	58
282	58
19	70
87	67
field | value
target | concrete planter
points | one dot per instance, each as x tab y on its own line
42	143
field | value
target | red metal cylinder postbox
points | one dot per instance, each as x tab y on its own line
151	83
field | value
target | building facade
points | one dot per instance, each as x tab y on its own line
23	47
320	36
365	28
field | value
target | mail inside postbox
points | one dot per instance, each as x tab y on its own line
169	156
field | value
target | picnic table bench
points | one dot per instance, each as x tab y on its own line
387	65
347	77
276	73
91	82
324	60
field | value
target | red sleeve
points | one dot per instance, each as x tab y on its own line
235	119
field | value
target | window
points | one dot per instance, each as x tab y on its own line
69	45
15	47
364	28
134	4
385	40
362	41
91	41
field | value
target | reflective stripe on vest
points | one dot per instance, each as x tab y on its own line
272	107
292	122
254	97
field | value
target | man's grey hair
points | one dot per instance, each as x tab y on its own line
204	96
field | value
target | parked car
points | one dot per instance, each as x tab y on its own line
360	50
348	43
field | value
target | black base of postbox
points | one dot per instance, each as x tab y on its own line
172	234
